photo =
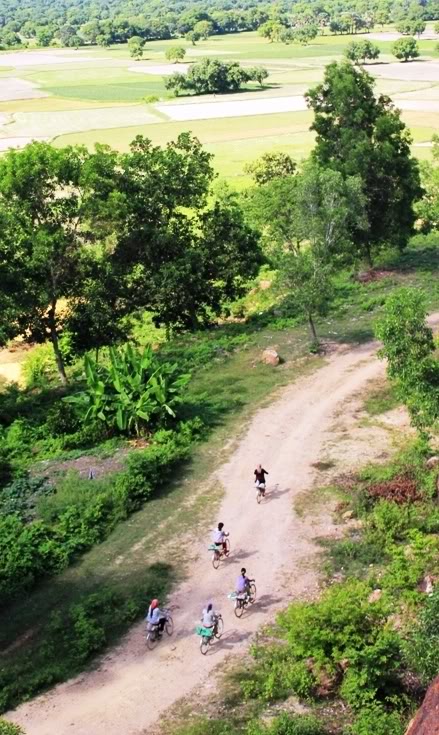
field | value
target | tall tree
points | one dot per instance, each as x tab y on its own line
41	190
362	135
306	224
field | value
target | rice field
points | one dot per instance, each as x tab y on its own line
102	95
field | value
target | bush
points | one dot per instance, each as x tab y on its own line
339	641
8	728
5	467
22	495
375	720
422	646
62	419
83	512
39	367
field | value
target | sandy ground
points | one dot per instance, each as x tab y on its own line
12	88
10	365
132	687
160	69
44	58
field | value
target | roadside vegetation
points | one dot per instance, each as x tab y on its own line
359	657
151	293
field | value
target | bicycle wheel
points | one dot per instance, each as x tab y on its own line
219	628
252	592
239	608
227	549
215	559
204	644
152	639
259	497
169	625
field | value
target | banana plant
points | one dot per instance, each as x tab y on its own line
133	393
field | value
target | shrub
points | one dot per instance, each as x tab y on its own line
62	419
374	719
8	728
422	646
82	512
5	467
21	496
39	367
340	640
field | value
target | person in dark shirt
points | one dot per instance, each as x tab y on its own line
260	478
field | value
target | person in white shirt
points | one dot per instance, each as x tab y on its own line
219	537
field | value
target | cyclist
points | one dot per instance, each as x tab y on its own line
209	617
243	583
156	616
219	537
260	478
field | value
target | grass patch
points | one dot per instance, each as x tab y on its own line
380	399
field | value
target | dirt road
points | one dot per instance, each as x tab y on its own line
133	687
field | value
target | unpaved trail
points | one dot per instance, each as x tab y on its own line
132	686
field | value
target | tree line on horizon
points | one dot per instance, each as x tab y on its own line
71	23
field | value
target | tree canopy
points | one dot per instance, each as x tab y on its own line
360	134
88	238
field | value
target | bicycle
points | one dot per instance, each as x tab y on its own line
153	635
207	635
261	492
219	552
243	599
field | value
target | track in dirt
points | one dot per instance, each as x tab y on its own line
132	686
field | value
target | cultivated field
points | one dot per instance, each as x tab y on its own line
102	95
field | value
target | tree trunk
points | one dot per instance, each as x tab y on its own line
55	344
368	256
312	329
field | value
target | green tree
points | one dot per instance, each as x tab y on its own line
204	28
272	30
306	222
209	76
405	49
411	27
136	47
175	53
408	346
362	51
192	37
258	74
41	193
427	208
270	165
362	135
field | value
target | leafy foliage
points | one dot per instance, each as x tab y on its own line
408	346
405	49
133	393
31	551
361	135
362	51
422	646
212	76
271	166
